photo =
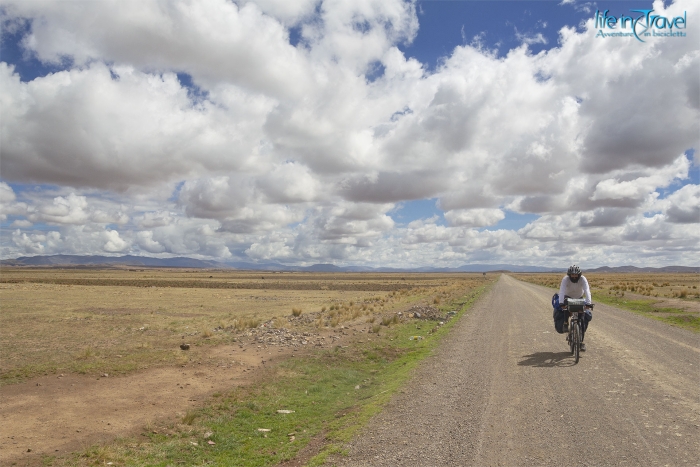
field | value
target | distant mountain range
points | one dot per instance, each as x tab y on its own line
184	262
129	260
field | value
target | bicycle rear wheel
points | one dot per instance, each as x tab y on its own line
577	341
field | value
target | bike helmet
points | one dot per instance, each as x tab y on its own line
574	271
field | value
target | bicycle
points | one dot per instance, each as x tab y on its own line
576	309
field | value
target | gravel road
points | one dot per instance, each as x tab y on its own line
503	390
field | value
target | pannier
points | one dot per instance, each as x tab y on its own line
555	301
559	315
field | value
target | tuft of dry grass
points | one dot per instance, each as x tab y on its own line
86	354
296	311
389	320
189	417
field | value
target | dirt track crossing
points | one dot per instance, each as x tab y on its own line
503	390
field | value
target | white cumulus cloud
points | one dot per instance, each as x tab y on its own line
206	129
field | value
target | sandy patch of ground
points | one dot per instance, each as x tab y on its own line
55	415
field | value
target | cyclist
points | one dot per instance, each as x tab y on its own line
573	285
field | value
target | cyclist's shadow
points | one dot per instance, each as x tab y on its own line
547	359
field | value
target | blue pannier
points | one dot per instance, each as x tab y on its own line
559	315
555	301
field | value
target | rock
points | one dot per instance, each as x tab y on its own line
285	411
211	443
105	375
185	346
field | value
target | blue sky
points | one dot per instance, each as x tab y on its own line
500	25
379	133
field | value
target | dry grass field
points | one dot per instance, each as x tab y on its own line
115	321
92	356
684	286
672	298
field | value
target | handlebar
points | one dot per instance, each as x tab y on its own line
590	306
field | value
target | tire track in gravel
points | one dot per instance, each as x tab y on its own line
502	389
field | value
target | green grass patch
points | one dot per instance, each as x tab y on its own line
674	316
332	393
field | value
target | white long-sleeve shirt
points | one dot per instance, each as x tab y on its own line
574	289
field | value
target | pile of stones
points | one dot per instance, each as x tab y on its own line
426	312
283	337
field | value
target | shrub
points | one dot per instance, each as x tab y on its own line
296	311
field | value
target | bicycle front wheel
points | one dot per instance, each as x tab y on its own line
570	338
